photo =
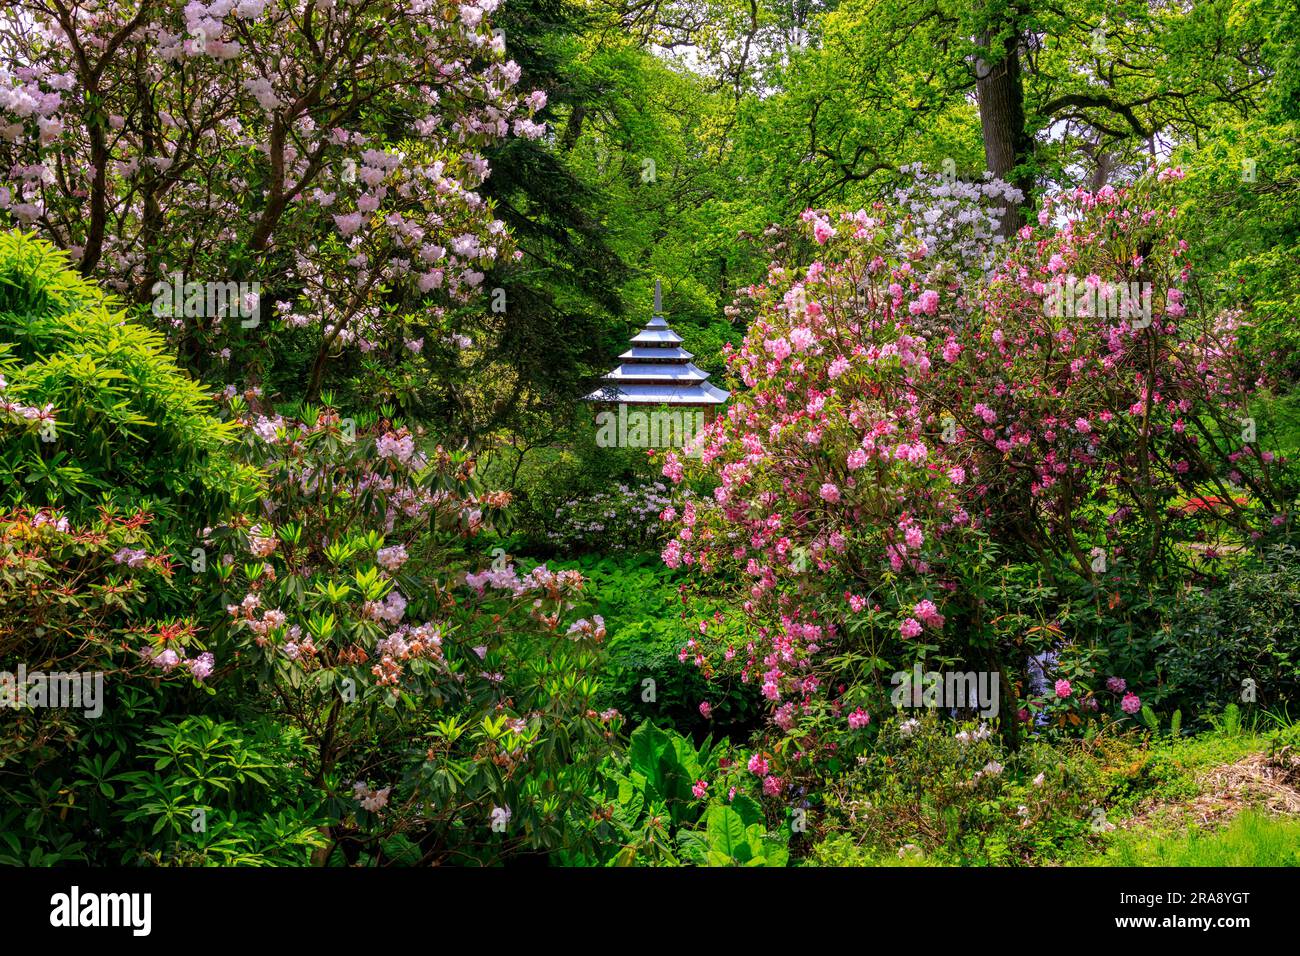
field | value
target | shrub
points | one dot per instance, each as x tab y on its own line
913	415
186	792
1246	630
450	711
623	518
649	676
930	788
119	422
556	490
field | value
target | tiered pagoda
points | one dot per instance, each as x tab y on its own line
656	370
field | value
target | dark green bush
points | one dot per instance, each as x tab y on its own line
1246	630
553	486
642	607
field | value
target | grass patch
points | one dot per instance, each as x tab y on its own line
1250	839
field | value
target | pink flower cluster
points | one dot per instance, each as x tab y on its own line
910	392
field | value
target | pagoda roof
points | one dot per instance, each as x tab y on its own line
662	354
702	393
656	337
651	373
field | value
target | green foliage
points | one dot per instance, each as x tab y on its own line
1229	722
664	766
1251	838
655	818
209	795
1239	638
431	702
1241	191
189	791
734	835
641	603
554	488
960	796
388	713
130	428
843	850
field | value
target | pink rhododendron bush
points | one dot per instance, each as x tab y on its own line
949	450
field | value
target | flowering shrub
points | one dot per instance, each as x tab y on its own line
935	789
450	709
81	636
910	408
627	518
79	595
128	133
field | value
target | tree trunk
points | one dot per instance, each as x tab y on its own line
1007	145
573	128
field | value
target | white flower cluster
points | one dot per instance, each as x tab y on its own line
626	518
982	732
952	219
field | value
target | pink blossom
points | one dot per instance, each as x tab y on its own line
201	666
927	303
823	231
348	224
779	348
391	558
929	614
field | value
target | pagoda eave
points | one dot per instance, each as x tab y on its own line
703	395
